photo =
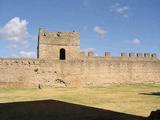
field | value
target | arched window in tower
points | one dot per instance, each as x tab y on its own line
62	54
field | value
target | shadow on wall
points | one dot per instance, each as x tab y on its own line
151	93
58	110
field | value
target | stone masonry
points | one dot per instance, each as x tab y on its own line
60	63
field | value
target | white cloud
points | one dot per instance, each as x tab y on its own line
136	41
100	31
26	54
24	45
120	9
15	30
11	46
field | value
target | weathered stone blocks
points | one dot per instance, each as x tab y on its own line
77	69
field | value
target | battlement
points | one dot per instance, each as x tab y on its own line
59	62
123	56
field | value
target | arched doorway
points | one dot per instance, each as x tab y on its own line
62	54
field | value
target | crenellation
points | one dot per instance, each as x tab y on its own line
154	56
132	55
124	55
59	58
140	55
90	54
146	55
108	54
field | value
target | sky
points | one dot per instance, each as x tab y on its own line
105	25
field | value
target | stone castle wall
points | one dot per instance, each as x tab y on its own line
76	68
91	71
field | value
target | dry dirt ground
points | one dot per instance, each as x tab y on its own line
114	102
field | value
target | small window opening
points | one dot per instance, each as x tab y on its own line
62	54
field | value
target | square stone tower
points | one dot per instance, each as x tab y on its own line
58	45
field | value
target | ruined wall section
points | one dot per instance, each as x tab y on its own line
50	44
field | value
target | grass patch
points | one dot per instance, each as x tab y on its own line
122	98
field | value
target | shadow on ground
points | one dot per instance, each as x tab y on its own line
58	110
151	93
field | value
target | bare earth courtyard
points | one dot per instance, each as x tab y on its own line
137	99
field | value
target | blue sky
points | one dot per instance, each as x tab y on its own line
104	25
